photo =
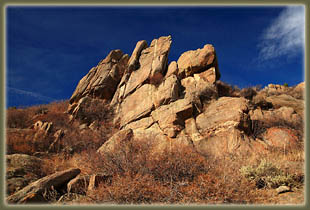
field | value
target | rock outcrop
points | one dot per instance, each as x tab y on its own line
182	101
34	191
21	169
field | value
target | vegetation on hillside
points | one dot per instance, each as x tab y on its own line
178	176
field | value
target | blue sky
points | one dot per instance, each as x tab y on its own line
49	49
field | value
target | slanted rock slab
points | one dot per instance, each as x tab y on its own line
33	192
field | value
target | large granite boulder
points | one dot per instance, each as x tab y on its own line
199	60
224	113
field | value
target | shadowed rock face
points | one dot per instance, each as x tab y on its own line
180	102
102	80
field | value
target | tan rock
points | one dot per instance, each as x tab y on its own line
288	101
207	76
228	141
198	90
195	61
167	91
144	123
191	130
153	62
300	87
137	105
283	115
77	109
172	69
222	114
43	126
21	169
153	138
171	117
281	137
102	80
283	189
116	141
160	59
33	192
133	62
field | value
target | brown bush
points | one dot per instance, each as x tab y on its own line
17	118
248	93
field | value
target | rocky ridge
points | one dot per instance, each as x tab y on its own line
161	104
182	102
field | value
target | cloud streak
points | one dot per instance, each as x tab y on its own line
31	94
285	36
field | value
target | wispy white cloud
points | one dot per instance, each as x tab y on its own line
31	94
285	36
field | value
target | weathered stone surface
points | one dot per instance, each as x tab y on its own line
208	76
222	114
153	139
115	141
153	62
192	130
198	90
43	126
277	87
300	87
278	117
287	100
133	62
172	69
280	137
171	117
144	123
77	109
33	192
27	162
21	169
195	61
137	105
160	59
102	80
167	91
228	141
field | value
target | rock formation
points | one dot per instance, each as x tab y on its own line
180	100
159	106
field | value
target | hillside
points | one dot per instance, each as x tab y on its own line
140	130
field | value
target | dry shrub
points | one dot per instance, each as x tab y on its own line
131	189
17	118
179	178
20	141
25	117
225	89
97	110
248	93
180	163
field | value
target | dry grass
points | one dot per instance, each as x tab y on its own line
178	176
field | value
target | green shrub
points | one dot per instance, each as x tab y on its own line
268	175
